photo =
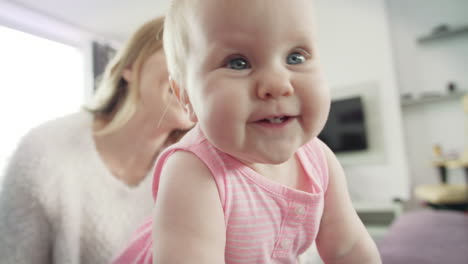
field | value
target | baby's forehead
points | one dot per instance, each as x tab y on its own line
212	19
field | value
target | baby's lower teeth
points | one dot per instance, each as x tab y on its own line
276	120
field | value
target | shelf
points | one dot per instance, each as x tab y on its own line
377	216
374	207
432	99
444	33
377	231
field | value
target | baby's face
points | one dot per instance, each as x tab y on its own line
254	79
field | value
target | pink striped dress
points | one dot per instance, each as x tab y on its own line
266	222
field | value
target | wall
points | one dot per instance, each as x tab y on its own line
355	48
428	68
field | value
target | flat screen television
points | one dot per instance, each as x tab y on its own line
345	130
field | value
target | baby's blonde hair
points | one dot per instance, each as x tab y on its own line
116	99
176	40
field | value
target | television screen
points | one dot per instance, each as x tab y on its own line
345	129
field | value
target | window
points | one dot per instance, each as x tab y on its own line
40	80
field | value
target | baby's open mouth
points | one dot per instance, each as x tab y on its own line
275	120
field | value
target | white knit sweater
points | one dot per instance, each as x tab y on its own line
60	204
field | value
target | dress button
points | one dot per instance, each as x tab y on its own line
286	243
300	210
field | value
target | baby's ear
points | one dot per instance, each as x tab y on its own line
183	99
127	74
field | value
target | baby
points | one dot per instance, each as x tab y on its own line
251	182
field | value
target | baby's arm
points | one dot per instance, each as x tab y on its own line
188	218
342	237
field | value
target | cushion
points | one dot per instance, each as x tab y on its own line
427	237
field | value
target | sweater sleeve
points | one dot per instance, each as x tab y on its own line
25	234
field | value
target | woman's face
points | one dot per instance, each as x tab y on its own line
157	102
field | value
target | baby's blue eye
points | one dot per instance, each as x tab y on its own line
238	64
295	58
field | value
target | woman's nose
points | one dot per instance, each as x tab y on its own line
274	83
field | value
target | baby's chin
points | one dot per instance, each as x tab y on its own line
249	152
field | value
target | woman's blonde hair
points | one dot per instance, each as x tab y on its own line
116	99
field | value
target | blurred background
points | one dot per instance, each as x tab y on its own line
405	64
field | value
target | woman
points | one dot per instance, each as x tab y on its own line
77	187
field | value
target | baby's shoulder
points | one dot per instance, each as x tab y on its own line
184	161
185	173
186	164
